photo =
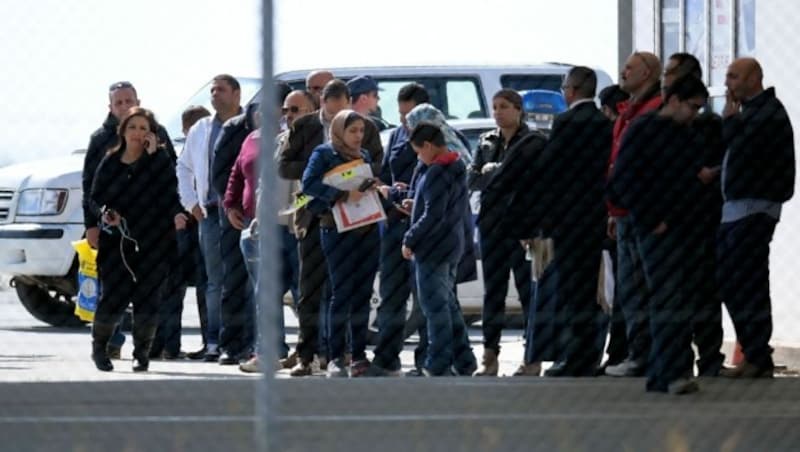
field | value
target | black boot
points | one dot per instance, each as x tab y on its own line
143	336
101	334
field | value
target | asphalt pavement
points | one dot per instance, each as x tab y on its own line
52	399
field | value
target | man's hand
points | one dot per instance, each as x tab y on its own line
93	237
707	175
407	253
236	218
489	167
197	213
732	105
660	229
181	221
611	228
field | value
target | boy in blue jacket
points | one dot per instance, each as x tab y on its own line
436	241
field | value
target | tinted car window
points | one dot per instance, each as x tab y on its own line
522	82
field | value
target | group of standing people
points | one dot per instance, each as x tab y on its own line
686	202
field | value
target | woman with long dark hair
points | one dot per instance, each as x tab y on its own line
135	188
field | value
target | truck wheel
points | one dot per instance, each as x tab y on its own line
49	307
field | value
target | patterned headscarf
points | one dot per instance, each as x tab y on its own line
429	113
340	122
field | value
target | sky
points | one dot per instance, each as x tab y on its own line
59	56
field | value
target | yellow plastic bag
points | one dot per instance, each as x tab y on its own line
87	280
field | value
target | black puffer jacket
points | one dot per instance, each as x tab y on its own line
101	141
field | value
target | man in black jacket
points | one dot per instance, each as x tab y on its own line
570	184
122	96
655	179
238	314
307	133
757	178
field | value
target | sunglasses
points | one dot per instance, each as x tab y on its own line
293	109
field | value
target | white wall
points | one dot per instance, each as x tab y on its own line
777	47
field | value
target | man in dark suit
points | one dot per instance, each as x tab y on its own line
569	191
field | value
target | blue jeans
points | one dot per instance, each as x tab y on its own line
352	259
671	309
237	336
210	234
437	299
631	291
289	278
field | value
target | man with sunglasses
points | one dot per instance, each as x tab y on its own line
315	83
655	179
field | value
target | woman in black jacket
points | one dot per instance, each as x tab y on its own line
135	188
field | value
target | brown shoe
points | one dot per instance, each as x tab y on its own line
528	370
489	365
289	362
302	369
746	370
114	352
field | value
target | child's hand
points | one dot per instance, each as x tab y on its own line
407	253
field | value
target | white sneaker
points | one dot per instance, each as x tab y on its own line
250	366
627	368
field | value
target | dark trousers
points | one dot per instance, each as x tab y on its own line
396	282
499	256
743	252
577	263
168	335
313	280
237	335
671	310
119	288
617	340
702	287
631	291
352	263
197	276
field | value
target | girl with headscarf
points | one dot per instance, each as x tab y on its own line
453	138
352	256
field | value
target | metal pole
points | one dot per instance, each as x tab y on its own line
266	403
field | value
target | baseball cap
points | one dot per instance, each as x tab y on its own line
361	85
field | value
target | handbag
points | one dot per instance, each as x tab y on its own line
87	280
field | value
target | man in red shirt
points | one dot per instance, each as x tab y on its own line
639	78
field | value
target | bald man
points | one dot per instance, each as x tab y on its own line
640	79
758	174
315	82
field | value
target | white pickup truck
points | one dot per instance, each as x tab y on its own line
40	215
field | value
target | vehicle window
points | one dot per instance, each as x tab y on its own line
472	136
250	88
522	82
463	100
456	98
